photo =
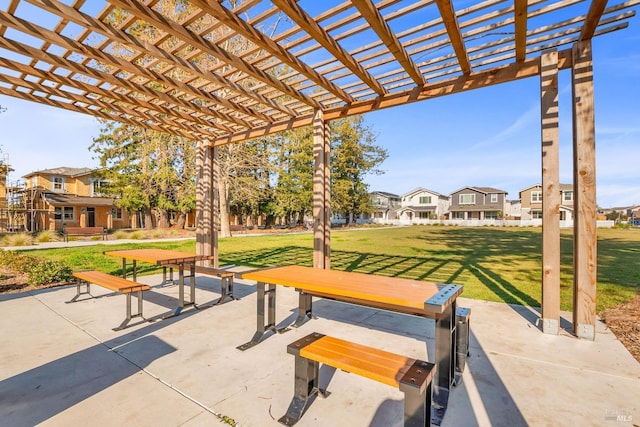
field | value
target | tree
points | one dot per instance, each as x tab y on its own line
353	156
147	170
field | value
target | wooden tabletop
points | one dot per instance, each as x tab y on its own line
416	296
156	256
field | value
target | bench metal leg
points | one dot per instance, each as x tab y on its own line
304	309
305	390
445	360
192	288
462	340
269	291
226	290
164	275
416	386
130	316
79	283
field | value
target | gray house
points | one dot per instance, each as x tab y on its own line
478	203
385	205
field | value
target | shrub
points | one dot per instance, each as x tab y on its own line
20	239
120	234
16	261
136	235
45	272
47	236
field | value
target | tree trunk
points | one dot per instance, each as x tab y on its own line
148	219
182	219
164	219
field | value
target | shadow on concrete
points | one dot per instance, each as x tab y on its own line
38	394
482	398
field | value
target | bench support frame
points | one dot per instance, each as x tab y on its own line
415	384
129	315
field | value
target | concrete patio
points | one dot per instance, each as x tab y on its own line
62	365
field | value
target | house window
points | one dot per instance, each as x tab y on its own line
57	183
63	213
425	200
423	215
491	214
494	198
536	214
116	213
467	199
567	196
457	215
536	196
97	186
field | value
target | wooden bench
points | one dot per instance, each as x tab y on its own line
411	376
226	281
117	284
84	231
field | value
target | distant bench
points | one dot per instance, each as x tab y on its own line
84	231
116	284
226	281
411	376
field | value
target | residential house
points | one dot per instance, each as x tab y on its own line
478	203
67	196
531	200
421	203
385	205
513	210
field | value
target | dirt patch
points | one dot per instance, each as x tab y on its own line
624	321
11	283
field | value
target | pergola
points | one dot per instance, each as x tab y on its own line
220	72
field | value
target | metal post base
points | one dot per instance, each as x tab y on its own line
305	390
125	322
226	290
304	309
79	292
463	315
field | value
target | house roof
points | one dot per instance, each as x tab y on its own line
417	209
62	170
485	190
384	193
56	199
425	190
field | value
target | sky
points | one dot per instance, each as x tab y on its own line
487	137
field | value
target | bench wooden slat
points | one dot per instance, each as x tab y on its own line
379	365
108	281
211	271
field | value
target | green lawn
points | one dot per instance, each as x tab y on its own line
493	264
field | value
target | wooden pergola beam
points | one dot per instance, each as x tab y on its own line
593	17
231	20
511	72
520	17
158	20
450	22
308	24
373	17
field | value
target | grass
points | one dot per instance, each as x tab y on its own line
493	264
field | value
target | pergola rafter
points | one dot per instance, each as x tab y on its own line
221	72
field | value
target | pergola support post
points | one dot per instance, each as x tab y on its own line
584	183
321	193
207	217
550	192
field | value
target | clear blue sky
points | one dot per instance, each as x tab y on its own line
488	137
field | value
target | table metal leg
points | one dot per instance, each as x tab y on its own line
445	359
269	291
124	268
135	270
304	309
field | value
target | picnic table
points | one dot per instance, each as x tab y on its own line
412	297
167	259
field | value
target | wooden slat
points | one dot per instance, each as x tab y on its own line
319	182
378	365
241	27
550	192
300	17
450	22
584	182
117	284
380	26
173	28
